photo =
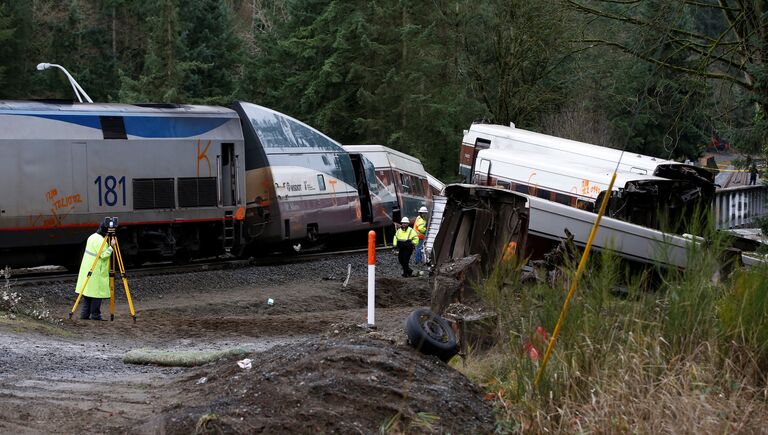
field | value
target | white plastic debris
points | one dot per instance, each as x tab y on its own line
202	380
349	273
245	363
270	302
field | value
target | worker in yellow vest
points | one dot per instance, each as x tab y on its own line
405	240
420	225
98	286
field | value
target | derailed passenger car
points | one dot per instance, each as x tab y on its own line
482	225
648	191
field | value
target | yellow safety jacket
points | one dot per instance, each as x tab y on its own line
98	285
420	226
407	234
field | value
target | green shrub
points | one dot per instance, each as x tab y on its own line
743	315
636	341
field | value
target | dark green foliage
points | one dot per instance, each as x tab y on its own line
511	51
743	317
208	33
368	73
164	69
6	34
409	75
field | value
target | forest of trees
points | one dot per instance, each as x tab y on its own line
653	76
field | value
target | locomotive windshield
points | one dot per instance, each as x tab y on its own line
281	133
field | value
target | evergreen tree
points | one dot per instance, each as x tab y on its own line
511	53
164	71
6	35
210	41
654	110
373	73
18	51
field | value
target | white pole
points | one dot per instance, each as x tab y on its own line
371	276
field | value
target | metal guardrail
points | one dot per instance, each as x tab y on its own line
738	207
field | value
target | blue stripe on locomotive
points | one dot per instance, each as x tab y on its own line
144	126
161	127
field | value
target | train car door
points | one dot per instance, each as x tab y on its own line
363	190
79	171
228	177
483	174
480	144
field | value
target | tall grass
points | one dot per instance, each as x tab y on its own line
640	350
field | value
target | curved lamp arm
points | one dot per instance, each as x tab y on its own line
79	92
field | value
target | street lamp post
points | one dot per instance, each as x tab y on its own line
79	92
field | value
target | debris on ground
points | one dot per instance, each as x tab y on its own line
245	363
178	358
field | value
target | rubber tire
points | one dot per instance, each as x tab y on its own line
430	334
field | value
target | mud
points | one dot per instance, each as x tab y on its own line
323	386
314	368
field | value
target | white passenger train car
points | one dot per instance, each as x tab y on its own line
648	191
403	175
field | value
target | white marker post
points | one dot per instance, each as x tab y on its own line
371	276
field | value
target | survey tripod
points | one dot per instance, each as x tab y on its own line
115	265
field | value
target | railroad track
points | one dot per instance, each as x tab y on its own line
55	276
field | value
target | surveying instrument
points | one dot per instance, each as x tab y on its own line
115	262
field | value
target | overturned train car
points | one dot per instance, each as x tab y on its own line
481	226
648	191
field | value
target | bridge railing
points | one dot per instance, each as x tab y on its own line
738	207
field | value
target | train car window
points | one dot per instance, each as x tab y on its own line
277	131
370	175
337	166
503	184
387	183
418	186
585	205
321	181
482	143
563	199
113	127
404	182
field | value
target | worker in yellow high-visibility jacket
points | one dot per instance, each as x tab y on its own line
405	241
420	225
98	286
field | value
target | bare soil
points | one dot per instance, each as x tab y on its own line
314	369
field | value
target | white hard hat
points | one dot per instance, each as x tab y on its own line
404	220
423	209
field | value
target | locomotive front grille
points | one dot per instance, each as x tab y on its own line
197	192
153	193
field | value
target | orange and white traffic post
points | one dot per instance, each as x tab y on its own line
371	275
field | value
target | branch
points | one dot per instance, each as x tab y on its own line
708	54
636	21
720	6
668	65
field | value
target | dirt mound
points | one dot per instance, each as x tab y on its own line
392	292
330	385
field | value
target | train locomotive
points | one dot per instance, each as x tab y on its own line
185	181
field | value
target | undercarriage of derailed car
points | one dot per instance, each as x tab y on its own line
669	205
480	226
